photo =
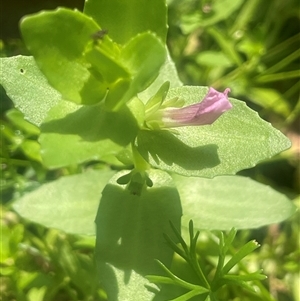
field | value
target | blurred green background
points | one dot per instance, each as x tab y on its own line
250	46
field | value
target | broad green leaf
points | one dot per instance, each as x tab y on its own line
105	64
126	19
130	227
125	285
143	56
167	72
239	139
69	204
33	96
212	13
230	201
72	134
57	39
83	69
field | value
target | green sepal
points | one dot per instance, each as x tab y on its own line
123	180
136	181
157	99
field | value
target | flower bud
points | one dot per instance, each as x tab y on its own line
207	111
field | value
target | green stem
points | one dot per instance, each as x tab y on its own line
192	254
198	270
140	164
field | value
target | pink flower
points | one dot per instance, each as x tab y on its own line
207	111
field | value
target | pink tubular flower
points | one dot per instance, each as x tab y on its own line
207	111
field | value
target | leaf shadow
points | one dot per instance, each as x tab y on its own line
130	228
94	123
165	146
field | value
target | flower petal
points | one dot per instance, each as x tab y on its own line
206	112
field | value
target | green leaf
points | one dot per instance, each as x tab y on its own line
124	285
226	202
33	96
168	73
239	139
69	204
105	64
227	242
72	134
160	279
239	255
247	277
189	295
57	39
173	279
143	56
126	19
83	69
130	227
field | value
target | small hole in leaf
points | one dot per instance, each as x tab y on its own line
22	71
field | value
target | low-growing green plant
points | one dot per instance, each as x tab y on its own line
104	97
